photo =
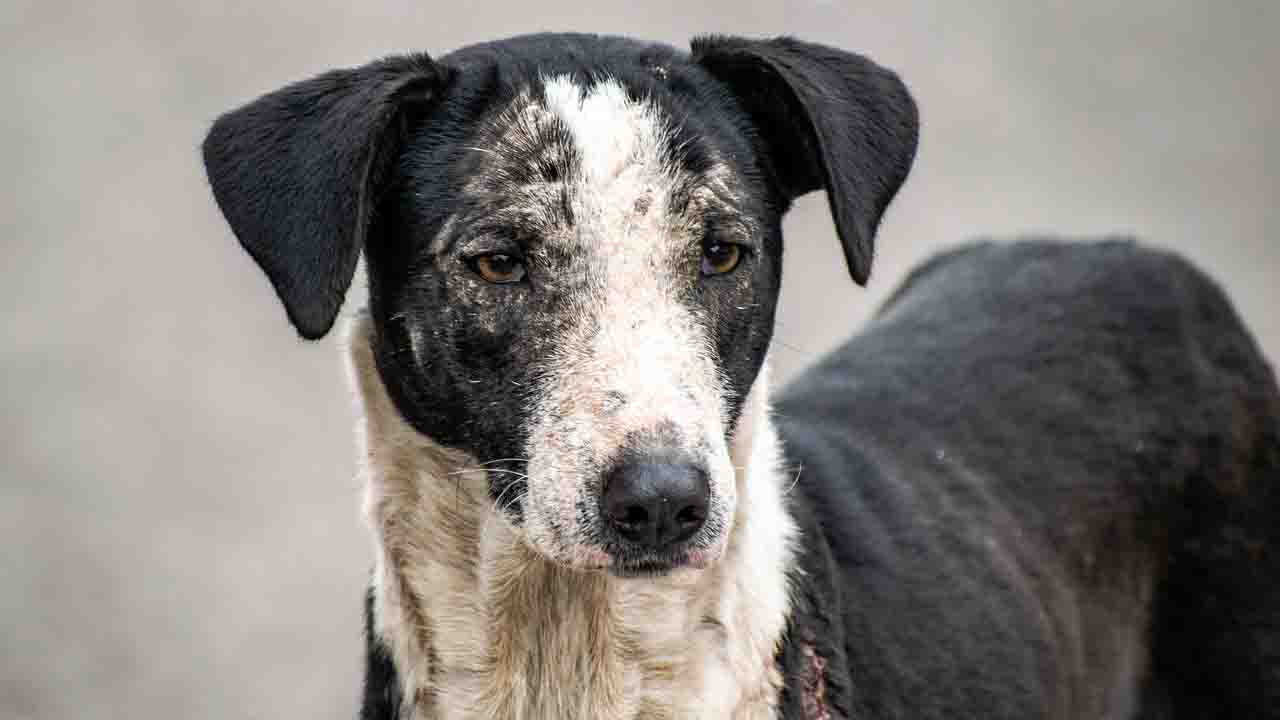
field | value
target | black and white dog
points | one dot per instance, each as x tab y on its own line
1045	482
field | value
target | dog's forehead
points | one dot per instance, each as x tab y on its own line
609	160
611	133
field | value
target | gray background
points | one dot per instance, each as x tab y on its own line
178	512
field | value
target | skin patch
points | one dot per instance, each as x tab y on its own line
813	689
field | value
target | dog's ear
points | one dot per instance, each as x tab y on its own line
297	173
829	119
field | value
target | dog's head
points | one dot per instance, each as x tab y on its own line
574	252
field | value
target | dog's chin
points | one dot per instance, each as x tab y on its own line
580	558
657	566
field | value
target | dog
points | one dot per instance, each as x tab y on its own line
1043	483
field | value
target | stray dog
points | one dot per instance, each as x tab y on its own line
1044	483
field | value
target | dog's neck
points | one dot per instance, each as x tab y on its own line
480	626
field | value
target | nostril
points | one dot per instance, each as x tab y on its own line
691	515
632	515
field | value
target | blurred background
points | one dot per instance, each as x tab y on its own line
178	509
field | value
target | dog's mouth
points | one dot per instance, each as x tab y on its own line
626	565
646	568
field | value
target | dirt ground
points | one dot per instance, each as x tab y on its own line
178	507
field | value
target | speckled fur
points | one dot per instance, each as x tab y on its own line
633	359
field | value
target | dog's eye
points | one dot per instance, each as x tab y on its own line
720	258
499	268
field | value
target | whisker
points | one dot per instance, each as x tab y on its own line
518	497
793	348
777	338
497	510
510	459
488	470
497	503
795	481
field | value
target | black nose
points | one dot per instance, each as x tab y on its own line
656	504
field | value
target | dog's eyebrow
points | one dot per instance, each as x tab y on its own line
724	220
445	239
486	236
505	217
491	222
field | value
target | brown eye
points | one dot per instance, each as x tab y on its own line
720	258
499	268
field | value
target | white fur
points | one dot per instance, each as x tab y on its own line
611	131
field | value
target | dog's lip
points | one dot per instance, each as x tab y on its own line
655	565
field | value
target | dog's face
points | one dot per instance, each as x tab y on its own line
574	253
594	293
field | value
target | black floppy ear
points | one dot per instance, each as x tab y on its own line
829	118
297	173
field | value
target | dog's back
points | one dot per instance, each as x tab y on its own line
1049	479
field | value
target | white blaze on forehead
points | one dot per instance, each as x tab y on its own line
610	130
645	343
633	337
